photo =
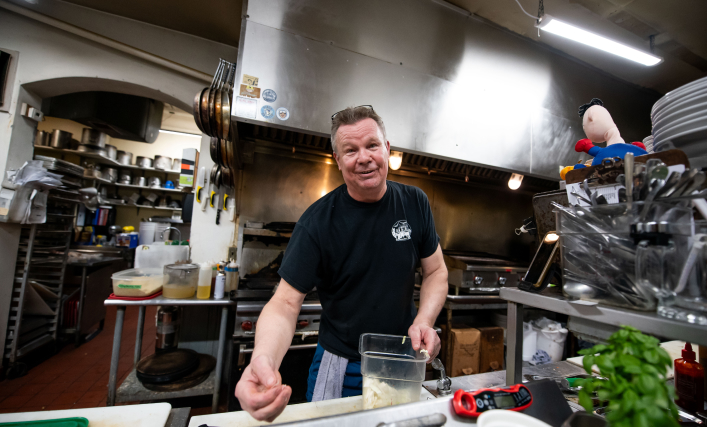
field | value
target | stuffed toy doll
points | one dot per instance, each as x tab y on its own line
599	127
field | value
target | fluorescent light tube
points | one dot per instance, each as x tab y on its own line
555	26
174	132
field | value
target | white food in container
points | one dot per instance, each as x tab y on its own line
137	282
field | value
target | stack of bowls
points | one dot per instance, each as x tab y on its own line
680	121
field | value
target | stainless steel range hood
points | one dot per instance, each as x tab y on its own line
447	84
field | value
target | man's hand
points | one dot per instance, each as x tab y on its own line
423	336
261	391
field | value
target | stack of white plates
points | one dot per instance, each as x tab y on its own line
680	121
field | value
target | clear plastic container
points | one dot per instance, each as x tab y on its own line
180	280
392	371
599	253
137	282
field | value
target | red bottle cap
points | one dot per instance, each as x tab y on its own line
687	352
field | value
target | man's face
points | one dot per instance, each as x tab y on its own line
362	157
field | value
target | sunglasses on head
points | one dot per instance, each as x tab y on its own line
370	107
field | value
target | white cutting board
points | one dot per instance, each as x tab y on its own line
148	415
674	349
298	412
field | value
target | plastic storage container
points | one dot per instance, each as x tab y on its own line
392	371
180	280
137	282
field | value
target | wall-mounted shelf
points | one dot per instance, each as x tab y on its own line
103	159
265	232
159	208
137	187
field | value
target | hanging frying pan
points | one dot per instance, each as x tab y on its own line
213	149
196	112
204	110
223	153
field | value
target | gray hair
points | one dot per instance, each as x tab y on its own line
353	115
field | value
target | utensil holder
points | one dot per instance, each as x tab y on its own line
598	252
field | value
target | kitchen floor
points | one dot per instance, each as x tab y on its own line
78	377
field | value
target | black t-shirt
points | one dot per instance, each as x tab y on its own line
362	258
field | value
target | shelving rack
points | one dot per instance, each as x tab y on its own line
113	163
591	313
41	261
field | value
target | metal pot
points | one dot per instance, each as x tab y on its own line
60	139
125	178
93	138
91	150
125	157
176	164
153	182
42	138
141	181
111	152
163	162
143	162
111	174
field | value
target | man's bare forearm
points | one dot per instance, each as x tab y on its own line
433	293
276	325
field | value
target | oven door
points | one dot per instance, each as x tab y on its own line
294	368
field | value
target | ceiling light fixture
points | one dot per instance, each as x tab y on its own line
514	182
174	132
395	160
553	25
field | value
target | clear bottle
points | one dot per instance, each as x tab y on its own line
203	291
231	273
220	285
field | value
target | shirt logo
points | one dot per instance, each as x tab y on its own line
402	231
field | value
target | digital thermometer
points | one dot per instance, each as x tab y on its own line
473	403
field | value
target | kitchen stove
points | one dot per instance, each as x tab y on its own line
247	314
481	275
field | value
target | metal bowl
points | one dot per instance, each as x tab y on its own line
163	162
124	157
111	152
60	139
93	137
143	162
153	182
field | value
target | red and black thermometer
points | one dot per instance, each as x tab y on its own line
473	403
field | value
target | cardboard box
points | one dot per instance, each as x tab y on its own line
465	352
491	349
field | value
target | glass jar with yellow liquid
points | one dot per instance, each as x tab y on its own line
180	280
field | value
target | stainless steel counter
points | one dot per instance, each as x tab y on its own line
160	300
498	378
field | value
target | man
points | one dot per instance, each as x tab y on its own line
359	246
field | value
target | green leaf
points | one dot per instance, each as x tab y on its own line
633	370
605	364
651	356
585	351
640	420
588	362
586	401
599	348
604	395
628	360
629	398
647	382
